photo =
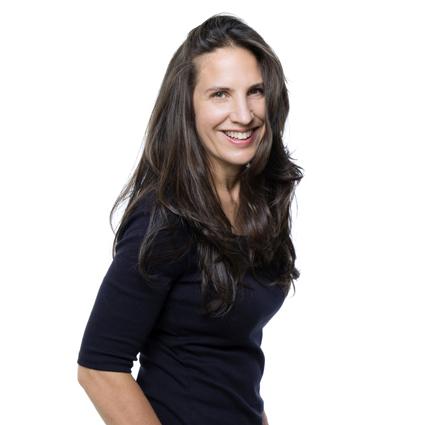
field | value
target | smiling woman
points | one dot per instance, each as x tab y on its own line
203	256
232	125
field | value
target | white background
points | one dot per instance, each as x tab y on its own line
78	81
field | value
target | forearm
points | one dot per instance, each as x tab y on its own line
265	422
117	397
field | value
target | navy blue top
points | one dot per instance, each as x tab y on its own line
194	370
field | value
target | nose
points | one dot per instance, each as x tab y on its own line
241	112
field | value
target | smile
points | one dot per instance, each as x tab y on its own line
239	134
241	138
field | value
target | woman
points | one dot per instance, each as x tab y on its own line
203	255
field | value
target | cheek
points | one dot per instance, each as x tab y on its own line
200	122
209	119
260	109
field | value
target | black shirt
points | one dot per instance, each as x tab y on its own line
194	370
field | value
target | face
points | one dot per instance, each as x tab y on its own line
229	97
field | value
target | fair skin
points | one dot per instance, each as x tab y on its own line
236	103
116	395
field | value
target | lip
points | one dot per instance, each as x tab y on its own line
242	143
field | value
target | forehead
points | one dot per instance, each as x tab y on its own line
226	66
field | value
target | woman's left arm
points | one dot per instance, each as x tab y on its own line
265	422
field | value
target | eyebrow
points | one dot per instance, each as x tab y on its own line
261	84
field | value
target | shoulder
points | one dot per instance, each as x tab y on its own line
135	219
144	205
159	234
147	214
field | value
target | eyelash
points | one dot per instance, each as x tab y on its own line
223	91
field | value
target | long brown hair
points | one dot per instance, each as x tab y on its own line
174	168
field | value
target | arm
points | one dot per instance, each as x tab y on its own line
265	421
124	313
117	397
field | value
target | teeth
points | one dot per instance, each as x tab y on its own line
238	134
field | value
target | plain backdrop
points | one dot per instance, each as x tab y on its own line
78	80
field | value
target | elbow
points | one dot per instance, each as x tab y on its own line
87	376
83	374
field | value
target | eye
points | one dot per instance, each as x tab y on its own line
258	89
218	92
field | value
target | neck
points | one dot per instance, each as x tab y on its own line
227	184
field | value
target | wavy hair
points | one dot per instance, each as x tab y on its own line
175	169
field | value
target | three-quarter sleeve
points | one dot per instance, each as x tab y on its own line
126	307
